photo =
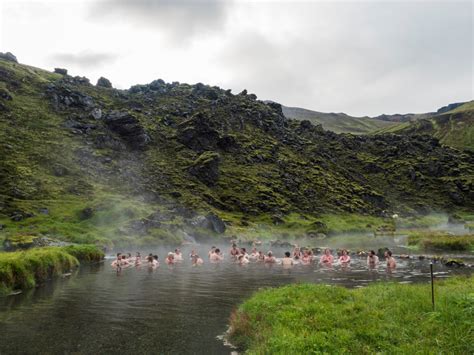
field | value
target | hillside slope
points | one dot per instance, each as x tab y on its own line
92	163
337	122
454	128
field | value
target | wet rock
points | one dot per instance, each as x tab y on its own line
61	71
8	56
104	82
43	210
5	95
206	168
60	170
128	127
2	227
216	224
197	134
454	263
86	213
18	216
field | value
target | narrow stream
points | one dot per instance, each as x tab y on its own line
180	309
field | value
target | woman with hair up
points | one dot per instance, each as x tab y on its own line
344	259
326	259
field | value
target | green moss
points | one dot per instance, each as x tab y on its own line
383	317
26	269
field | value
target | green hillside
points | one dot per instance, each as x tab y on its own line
158	162
337	122
454	128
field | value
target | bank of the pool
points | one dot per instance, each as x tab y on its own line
383	317
27	269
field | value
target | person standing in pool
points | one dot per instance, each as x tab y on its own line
287	261
212	251
270	259
170	258
372	259
217	257
391	263
234	251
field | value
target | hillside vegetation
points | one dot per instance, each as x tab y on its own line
454	128
154	163
337	122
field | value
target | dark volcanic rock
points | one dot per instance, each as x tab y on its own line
8	56
206	168
128	128
216	223
61	71
104	82
197	134
86	213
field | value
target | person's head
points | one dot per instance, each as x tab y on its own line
389	253
260	252
371	253
305	253
150	259
119	255
155	257
170	255
254	250
287	254
270	254
124	257
177	251
218	250
213	248
129	255
243	250
344	252
150	254
234	246
327	251
138	254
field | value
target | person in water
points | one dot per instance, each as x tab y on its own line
344	258
326	258
287	260
192	254
243	260
391	263
153	261
170	258
261	257
372	259
178	256
234	251
217	257
254	254
306	258
196	260
116	262
212	251
297	253
138	259
270	259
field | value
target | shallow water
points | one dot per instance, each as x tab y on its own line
179	309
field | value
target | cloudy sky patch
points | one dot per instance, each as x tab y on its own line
358	57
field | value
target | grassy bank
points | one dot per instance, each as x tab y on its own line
441	241
27	269
383	317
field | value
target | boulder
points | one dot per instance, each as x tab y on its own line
104	82
206	168
128	128
8	56
217	225
61	71
197	134
96	113
86	213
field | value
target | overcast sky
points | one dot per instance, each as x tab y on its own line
358	57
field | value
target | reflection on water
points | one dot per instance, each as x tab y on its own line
179	309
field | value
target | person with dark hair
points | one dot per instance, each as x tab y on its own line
243	260
217	257
212	251
287	260
326	259
196	260
372	259
344	259
234	251
391	263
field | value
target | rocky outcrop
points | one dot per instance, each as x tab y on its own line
61	71
128	127
206	168
9	57
104	83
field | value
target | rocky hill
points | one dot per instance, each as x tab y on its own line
337	122
453	125
91	163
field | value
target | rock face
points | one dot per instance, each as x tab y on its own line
104	82
61	71
206	168
128	128
211	222
197	134
8	56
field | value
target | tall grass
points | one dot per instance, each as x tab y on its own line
441	241
381	318
27	269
